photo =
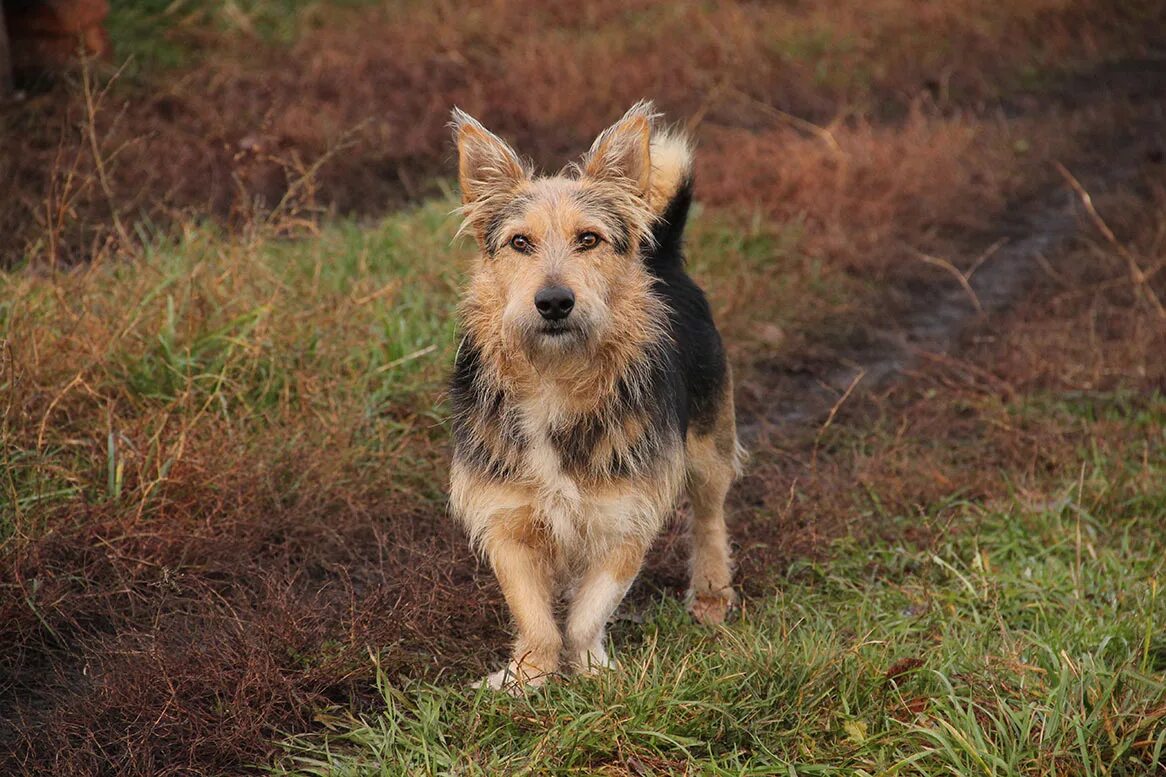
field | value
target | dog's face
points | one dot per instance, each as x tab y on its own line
559	272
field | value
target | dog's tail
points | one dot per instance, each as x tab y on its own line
670	192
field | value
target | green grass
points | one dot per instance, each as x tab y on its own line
342	341
347	336
160	35
1027	642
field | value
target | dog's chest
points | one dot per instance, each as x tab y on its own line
540	420
577	506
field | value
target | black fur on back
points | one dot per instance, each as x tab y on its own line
699	354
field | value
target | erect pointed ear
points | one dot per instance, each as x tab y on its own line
622	151
486	165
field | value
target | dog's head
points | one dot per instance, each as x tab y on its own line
559	273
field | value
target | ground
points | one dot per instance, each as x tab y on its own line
933	236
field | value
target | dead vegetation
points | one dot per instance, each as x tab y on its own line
223	481
228	135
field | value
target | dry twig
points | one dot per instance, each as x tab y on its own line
938	261
93	100
1137	274
834	412
824	134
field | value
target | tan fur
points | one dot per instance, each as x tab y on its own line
671	164
623	150
579	526
501	283
714	461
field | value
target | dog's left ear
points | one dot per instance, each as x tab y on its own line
621	152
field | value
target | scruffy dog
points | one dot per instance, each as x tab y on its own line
590	386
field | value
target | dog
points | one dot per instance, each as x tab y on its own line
590	388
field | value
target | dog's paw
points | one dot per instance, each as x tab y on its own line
711	608
512	679
594	661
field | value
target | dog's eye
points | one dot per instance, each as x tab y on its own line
520	243
588	240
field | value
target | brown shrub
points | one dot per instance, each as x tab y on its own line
374	88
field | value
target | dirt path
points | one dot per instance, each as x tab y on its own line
991	275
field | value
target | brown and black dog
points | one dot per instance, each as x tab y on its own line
590	387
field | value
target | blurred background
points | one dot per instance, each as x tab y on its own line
205	109
933	234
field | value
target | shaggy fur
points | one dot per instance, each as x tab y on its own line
575	434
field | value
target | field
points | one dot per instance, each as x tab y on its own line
934	238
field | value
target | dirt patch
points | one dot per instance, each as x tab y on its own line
933	316
188	649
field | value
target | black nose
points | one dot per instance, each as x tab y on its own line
554	303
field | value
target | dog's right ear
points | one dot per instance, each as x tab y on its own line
487	167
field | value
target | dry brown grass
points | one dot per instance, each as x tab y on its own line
879	185
203	528
1093	328
234	536
230	135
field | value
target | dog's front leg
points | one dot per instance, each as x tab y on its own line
525	571
601	589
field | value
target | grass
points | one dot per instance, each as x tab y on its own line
157	36
222	461
182	332
221	484
223	347
343	337
1027	641
232	448
220	106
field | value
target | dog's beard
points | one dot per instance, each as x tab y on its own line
547	343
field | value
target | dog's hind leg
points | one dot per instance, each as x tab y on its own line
524	566
601	589
713	463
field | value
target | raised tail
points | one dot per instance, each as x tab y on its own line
669	194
